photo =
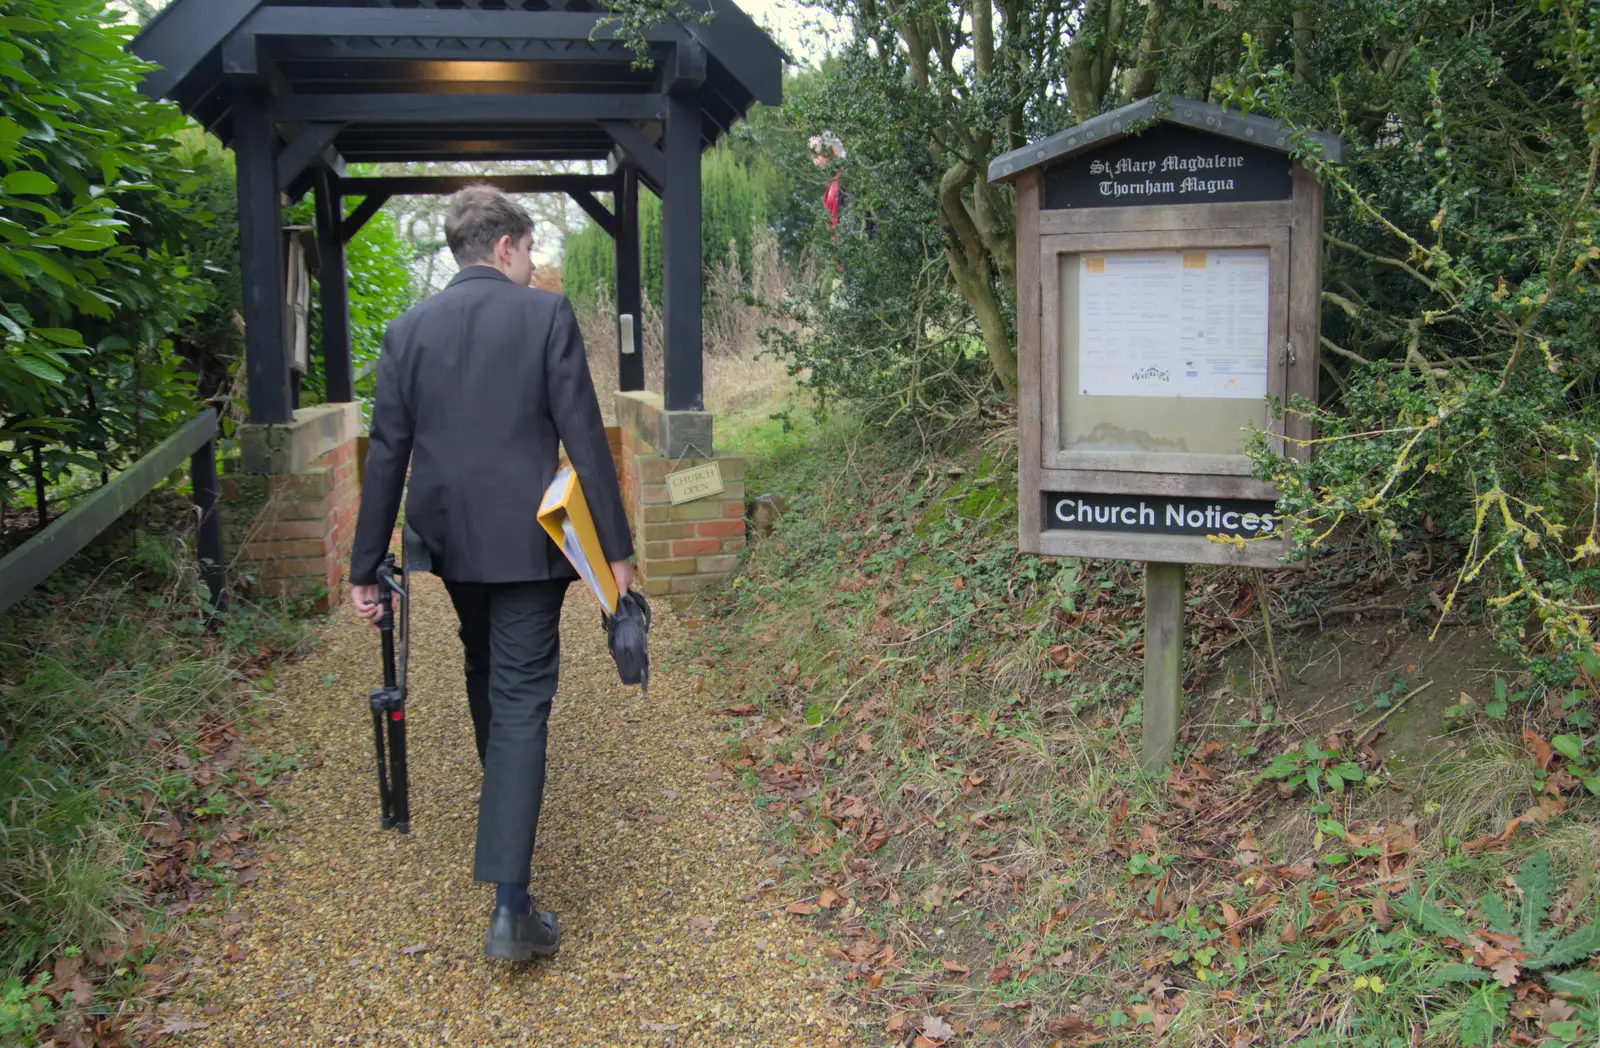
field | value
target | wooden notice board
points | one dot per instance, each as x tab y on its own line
1169	277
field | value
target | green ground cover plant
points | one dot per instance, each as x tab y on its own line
132	798
941	735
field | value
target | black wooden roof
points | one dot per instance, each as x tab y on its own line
1173	109
419	80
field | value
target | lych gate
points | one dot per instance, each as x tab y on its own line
300	88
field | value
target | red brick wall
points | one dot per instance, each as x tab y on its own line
293	533
681	549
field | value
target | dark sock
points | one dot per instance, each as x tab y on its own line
513	897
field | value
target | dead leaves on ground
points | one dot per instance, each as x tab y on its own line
77	981
1549	804
936	1030
1543	810
179	841
1203	848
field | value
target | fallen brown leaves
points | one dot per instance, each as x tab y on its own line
1559	780
936	1031
952	834
180	842
1542	811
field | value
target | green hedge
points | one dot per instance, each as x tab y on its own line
732	204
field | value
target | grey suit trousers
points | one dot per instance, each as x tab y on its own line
511	640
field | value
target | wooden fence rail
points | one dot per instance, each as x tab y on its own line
35	560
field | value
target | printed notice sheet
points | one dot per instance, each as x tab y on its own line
1173	323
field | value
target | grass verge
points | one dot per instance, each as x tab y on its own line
131	798
941	737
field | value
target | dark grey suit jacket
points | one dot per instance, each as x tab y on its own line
476	386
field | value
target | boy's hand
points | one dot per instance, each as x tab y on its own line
622	571
365	599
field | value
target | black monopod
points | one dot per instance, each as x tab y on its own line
389	702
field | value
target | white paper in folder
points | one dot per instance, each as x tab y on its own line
564	515
580	560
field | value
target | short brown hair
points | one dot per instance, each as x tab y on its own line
479	216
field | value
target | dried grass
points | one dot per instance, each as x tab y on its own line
737	306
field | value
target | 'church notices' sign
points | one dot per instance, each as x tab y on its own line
1161	515
1168	164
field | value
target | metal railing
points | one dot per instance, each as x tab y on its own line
35	560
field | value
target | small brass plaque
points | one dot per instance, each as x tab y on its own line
696	483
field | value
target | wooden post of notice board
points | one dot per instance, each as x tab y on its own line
1169	274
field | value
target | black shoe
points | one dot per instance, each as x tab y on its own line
521	936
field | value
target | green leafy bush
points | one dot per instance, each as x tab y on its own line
24	1008
119	288
1460	305
733	204
1313	766
96	268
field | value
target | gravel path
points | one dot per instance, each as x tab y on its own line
357	936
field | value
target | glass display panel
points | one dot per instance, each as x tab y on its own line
1164	350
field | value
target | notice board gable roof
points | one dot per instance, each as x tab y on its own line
1135	116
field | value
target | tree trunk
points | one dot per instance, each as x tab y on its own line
1109	48
992	216
40	494
970	263
1302	43
1083	87
1139	81
978	290
1092	57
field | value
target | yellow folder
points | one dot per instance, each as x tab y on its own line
565	516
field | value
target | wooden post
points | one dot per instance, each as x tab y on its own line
333	283
680	248
1163	662
630	300
203	478
261	263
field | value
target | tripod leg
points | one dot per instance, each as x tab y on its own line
398	772
385	799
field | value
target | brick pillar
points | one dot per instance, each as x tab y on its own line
614	440
292	497
686	548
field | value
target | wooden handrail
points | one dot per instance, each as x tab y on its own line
35	560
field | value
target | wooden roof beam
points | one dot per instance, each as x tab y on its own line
452	49
646	154
595	210
311	143
423	23
443	185
169	39
453	109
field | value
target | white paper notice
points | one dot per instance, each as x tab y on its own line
1173	323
